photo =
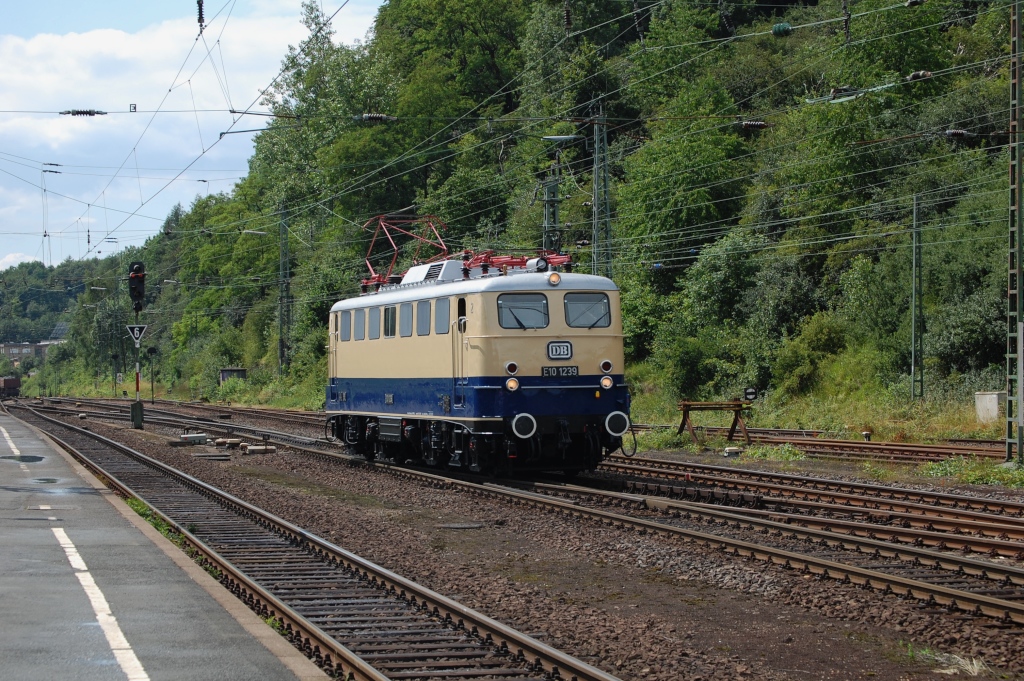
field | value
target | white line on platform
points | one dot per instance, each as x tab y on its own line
10	442
115	637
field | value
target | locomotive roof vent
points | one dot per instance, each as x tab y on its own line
446	270
434	271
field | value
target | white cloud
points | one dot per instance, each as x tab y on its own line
110	69
13	259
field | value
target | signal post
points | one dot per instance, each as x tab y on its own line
137	292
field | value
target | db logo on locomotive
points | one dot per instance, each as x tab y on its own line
559	350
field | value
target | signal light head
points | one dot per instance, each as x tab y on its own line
512	384
607	382
607	366
512	368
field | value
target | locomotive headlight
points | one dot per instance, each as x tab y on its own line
512	368
554	278
607	366
512	384
607	382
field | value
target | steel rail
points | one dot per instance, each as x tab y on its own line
733	492
812	442
843	449
983	526
749	478
552	661
881	537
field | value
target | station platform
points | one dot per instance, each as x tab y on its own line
90	591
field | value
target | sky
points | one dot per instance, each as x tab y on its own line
87	186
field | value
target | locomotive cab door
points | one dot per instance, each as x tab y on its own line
460	381
332	347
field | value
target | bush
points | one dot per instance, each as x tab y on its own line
798	361
696	366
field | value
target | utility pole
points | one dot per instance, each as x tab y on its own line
552	233
1015	273
916	316
601	244
284	293
552	237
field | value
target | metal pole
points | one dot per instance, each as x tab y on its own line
601	244
916	316
138	373
136	412
1014	302
283	313
551	240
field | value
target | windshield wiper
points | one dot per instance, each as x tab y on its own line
598	320
585	310
515	317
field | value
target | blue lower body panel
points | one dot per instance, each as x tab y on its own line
476	398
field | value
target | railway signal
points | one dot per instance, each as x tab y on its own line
137	285
137	292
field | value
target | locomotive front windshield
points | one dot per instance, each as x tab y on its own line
523	311
587	310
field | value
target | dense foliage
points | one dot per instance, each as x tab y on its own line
748	255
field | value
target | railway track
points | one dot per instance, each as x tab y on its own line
354	618
881	558
810	442
875	511
311	420
867	495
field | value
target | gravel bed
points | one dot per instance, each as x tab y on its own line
640	607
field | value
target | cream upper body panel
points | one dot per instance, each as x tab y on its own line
484	347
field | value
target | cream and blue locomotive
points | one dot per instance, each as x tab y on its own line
494	370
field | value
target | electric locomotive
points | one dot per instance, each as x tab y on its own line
493	364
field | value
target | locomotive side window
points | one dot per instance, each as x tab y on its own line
374	323
359	332
405	320
442	315
523	310
423	318
587	310
346	325
390	321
